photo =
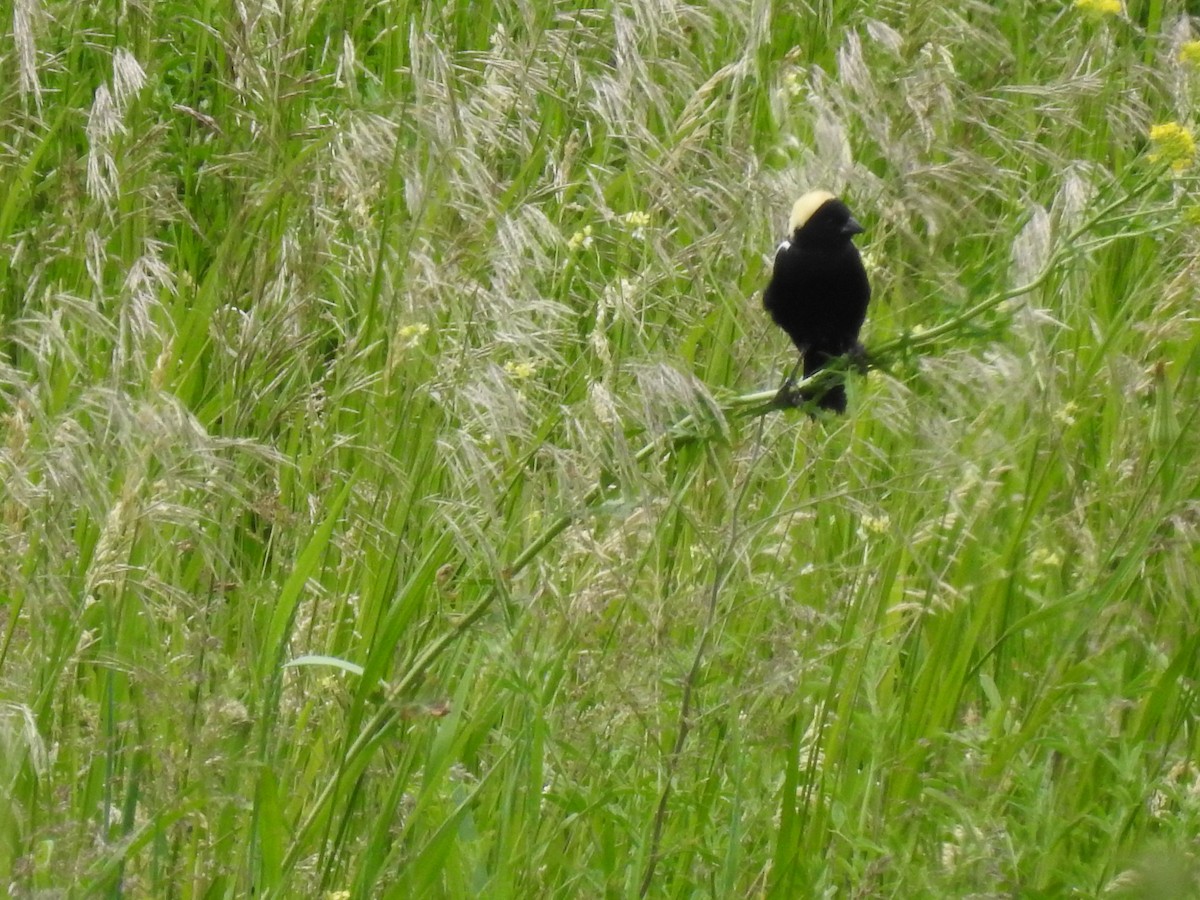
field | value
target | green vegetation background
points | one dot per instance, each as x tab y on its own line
386	511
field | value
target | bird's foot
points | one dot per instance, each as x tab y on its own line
858	359
792	397
789	397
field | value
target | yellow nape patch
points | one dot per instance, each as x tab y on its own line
803	208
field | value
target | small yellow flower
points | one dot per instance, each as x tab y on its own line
1175	145
1044	558
636	222
1066	414
410	335
580	239
793	82
876	524
520	370
1099	8
1190	53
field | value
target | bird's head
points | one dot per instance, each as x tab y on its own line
821	218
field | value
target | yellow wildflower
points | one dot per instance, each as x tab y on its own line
520	370
793	82
875	524
1175	145
1065	415
636	222
410	335
1046	558
1190	53
1099	8
580	239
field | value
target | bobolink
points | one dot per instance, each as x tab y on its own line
819	291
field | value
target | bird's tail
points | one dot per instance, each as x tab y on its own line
831	395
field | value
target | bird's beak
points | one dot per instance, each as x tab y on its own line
852	227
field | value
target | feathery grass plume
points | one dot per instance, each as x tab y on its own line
128	78
103	124
142	318
106	122
27	18
362	153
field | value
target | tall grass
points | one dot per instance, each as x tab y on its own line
390	508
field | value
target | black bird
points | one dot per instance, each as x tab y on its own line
819	291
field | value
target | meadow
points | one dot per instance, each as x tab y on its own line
391	501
